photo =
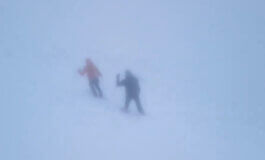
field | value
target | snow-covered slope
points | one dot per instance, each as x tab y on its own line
201	83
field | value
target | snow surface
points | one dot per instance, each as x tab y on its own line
200	65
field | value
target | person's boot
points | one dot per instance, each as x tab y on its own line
100	95
94	93
141	111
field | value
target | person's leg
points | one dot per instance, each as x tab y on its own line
138	104
92	87
98	88
127	103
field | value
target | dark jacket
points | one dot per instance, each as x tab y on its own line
131	85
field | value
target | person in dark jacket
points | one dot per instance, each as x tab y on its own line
132	89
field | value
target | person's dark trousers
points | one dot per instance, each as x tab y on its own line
94	86
137	101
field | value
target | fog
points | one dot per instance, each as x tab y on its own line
200	65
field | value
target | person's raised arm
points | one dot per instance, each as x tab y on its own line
82	71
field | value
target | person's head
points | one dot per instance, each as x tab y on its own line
89	61
128	73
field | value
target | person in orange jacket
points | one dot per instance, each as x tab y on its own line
93	75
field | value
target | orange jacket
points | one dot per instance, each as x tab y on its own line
91	70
